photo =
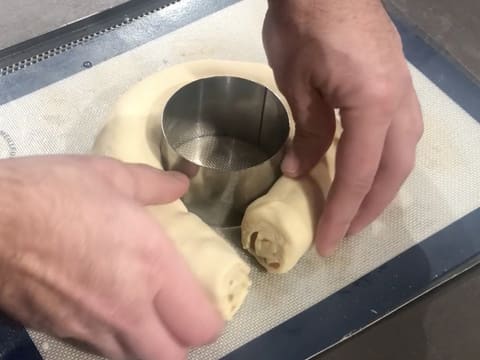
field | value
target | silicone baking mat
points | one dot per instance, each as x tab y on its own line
427	235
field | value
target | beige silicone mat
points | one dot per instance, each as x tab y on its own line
445	185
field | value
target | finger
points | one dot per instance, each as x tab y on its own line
150	186
152	341
397	162
142	183
314	125
105	344
358	157
184	307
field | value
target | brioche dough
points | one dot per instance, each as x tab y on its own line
278	228
131	135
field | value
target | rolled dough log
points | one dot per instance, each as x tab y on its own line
132	135
278	228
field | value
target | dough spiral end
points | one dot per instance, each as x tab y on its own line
279	227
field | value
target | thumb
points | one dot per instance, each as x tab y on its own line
314	130
142	183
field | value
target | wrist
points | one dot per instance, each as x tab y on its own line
7	206
12	206
8	224
328	10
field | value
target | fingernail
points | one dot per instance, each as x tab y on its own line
352	231
178	176
326	251
290	164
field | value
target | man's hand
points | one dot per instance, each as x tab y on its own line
81	258
344	54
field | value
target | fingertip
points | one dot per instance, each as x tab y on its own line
326	242
213	325
361	221
186	308
177	175
172	186
182	179
290	165
152	340
153	186
354	229
215	329
325	250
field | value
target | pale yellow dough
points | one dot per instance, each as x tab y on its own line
278	228
131	135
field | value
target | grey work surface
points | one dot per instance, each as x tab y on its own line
442	325
453	25
23	19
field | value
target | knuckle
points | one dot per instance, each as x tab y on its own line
399	169
386	89
382	93
152	267
105	162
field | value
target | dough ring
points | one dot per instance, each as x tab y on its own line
131	135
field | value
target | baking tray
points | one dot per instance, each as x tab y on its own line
455	249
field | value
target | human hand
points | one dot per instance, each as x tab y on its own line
80	258
345	54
